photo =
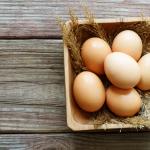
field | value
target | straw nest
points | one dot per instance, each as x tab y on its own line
75	36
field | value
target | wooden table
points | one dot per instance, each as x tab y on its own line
32	100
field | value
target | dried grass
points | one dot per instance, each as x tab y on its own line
74	38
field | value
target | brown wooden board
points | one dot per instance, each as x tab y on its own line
37	18
78	141
32	86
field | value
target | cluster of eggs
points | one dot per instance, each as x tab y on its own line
123	66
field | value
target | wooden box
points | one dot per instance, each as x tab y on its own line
76	118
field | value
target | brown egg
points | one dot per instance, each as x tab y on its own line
123	103
89	91
122	70
93	52
144	64
128	42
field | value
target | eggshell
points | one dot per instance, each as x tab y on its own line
89	91
93	52
128	42
123	103
122	70
144	64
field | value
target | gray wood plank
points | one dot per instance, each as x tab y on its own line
32	86
37	18
31	72
32	118
76	141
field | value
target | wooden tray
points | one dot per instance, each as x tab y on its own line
76	118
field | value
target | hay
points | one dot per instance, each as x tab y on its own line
74	38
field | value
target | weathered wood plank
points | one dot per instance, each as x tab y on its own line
32	93
31	72
32	118
37	18
32	86
78	141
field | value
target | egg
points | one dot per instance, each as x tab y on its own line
124	103
128	42
144	64
93	52
89	92
122	70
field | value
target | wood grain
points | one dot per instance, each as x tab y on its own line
31	72
37	18
32	118
32	86
78	141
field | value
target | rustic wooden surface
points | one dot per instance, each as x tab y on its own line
75	141
37	18
32	98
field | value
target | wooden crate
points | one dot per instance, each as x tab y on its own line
77	119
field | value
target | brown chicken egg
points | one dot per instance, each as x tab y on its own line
89	92
144	64
93	52
124	103
122	70
128	42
